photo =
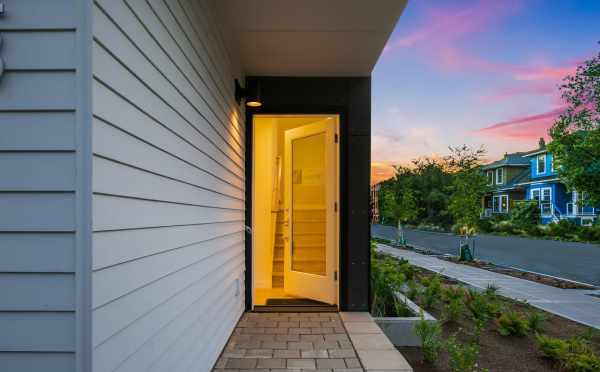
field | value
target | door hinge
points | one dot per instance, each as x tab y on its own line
336	138
335	207
335	276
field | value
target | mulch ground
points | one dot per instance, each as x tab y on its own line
502	353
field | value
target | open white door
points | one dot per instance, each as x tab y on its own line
310	212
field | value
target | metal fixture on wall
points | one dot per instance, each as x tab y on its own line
251	93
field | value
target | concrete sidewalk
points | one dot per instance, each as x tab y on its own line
573	304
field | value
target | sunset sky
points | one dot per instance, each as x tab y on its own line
475	72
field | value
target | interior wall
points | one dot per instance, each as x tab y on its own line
265	152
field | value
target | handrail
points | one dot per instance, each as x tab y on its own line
275	205
276	196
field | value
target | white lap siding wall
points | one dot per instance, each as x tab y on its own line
168	187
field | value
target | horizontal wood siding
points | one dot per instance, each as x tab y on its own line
38	151
168	183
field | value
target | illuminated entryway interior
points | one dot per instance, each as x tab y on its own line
295	208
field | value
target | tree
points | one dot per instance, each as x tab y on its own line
406	210
400	207
576	133
468	187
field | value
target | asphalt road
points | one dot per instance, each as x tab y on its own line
575	261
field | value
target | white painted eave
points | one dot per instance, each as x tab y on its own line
307	37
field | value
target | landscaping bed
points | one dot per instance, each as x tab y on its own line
496	333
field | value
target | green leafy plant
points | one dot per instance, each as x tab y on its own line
455	306
462	357
491	291
525	214
583	362
562	229
535	321
386	280
553	348
482	307
575	354
431	342
432	291
413	290
576	133
512	323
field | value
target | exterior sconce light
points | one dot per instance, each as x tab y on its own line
250	93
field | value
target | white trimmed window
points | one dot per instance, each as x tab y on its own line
541	164
500	203
499	176
544	197
490	177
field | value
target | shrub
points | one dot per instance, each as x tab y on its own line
584	362
481	306
562	229
484	225
525	214
414	291
575	354
535	321
463	357
504	227
512	324
491	291
590	233
455	306
432	291
431	342
386	280
407	269
553	348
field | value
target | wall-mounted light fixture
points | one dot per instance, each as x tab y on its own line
251	93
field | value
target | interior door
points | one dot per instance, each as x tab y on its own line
310	217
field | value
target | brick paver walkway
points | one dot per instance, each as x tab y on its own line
273	342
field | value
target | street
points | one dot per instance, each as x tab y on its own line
575	261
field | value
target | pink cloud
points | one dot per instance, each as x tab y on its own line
549	89
443	26
444	32
547	72
524	128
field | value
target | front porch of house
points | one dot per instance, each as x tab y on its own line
500	202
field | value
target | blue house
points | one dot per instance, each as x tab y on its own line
545	186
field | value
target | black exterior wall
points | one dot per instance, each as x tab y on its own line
350	98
